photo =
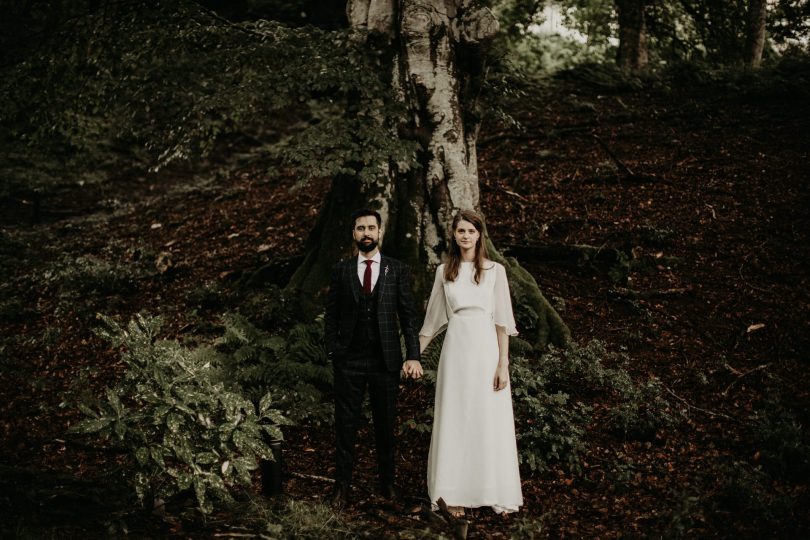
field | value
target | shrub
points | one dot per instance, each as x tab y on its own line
75	277
747	490
551	418
207	296
270	307
781	441
643	411
181	425
549	425
579	370
527	527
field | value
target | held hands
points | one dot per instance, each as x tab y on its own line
501	375
412	369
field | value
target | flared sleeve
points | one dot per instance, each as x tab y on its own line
502	312
436	313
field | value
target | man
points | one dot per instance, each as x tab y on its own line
366	295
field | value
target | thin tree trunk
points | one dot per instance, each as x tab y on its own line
632	53
433	50
755	38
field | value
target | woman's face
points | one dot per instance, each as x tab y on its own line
466	235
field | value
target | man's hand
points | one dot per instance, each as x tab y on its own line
412	369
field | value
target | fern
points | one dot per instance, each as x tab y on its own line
295	364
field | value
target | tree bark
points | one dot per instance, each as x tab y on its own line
433	51
632	53
755	37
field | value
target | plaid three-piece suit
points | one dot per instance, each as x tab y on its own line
377	366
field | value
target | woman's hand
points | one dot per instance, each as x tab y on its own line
501	376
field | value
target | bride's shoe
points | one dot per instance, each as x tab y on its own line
456	511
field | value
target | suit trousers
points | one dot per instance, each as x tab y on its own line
350	390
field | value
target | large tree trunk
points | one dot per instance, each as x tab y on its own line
755	37
632	53
433	51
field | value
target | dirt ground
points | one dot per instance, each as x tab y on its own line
702	189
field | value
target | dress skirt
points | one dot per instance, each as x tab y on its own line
473	457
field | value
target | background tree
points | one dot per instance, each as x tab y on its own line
755	37
632	54
788	23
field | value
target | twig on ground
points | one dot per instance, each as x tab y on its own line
627	174
504	190
742	278
239	535
508	136
710	413
740	375
652	293
311	477
619	163
532	133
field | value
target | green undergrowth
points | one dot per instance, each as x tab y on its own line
553	395
180	420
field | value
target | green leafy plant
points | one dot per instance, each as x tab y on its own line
306	520
643	410
288	519
269	307
73	277
529	528
184	429
295	364
640	409
550	426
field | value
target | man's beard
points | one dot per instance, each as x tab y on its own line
366	247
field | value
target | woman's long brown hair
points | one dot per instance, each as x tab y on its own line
454	259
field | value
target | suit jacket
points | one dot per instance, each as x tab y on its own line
394	301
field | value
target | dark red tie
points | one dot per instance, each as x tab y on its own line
367	278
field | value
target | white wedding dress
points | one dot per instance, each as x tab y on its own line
473	457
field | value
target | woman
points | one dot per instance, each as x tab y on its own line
473	458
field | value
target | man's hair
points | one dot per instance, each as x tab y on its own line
366	212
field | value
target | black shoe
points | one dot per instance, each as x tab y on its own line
387	491
339	497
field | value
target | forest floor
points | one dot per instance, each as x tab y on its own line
697	200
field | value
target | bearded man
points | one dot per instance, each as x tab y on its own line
368	295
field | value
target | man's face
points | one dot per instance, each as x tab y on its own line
366	233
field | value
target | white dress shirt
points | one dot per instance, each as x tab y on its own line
375	268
